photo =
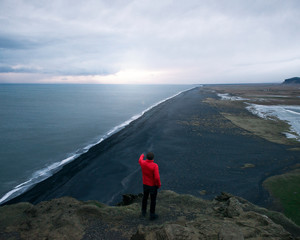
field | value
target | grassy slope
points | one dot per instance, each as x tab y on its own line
286	188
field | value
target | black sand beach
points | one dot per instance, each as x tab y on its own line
198	150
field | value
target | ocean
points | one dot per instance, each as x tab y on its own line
43	127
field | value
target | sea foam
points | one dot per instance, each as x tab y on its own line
290	114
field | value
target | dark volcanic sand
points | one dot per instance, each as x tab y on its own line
196	149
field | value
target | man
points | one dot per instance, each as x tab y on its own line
151	182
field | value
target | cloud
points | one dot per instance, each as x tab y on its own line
14	43
193	41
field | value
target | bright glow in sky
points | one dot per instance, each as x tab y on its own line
148	41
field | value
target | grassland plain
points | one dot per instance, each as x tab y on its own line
284	188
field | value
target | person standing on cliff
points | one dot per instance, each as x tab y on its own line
151	182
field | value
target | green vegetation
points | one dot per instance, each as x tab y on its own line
96	203
248	165
286	188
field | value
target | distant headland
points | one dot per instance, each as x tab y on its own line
294	80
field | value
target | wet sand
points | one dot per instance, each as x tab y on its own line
198	151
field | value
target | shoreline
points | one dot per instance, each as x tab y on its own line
196	148
48	171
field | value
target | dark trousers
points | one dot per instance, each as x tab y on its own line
152	190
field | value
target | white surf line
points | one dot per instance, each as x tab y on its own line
37	177
48	171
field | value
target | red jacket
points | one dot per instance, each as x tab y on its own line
150	172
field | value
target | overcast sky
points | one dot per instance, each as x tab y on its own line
151	41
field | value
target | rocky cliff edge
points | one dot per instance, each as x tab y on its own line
180	217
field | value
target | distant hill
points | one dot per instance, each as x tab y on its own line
294	80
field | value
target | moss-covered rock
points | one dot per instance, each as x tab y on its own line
180	217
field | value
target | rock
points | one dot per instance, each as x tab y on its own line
129	199
254	225
227	205
140	234
223	197
230	232
234	208
294	80
55	219
166	232
180	217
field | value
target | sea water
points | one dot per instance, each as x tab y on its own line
290	114
44	127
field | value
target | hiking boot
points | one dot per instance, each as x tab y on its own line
153	216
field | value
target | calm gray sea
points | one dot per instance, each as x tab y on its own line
45	126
